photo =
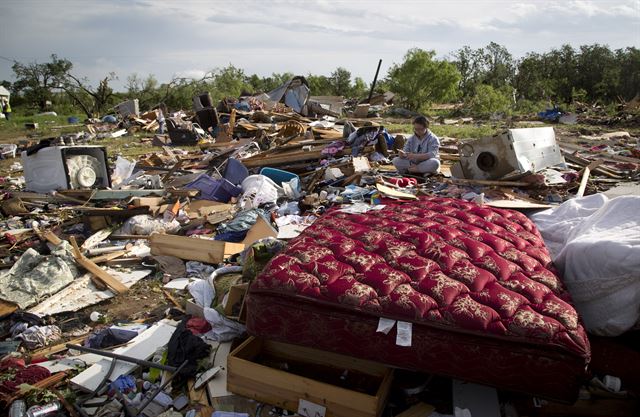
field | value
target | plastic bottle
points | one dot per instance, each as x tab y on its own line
44	410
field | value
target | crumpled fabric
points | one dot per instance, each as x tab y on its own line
36	276
333	148
144	224
233	237
257	255
171	266
198	325
109	337
39	336
242	222
197	269
222	329
123	384
184	346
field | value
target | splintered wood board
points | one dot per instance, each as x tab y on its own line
193	249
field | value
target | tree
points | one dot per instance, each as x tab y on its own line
470	65
359	88
145	90
421	79
229	81
340	80
487	100
36	81
492	65
93	101
319	85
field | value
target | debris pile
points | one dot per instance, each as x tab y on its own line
123	282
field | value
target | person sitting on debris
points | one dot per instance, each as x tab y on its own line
420	153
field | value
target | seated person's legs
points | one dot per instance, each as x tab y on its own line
401	164
430	166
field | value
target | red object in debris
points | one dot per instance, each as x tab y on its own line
198	325
403	182
29	375
476	283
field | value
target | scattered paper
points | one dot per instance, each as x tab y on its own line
385	325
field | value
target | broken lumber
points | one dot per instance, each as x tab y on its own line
108	256
100	273
193	249
52	238
585	177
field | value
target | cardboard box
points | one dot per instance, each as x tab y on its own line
285	389
193	249
236	295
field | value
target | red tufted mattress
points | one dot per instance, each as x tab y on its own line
477	284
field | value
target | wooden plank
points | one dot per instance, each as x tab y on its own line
197	396
193	249
108	256
52	238
7	308
103	275
44	352
585	177
281	159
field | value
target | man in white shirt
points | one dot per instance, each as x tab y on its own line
420	153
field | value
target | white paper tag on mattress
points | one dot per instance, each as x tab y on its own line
385	325
404	333
309	409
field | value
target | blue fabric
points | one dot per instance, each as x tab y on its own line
233	237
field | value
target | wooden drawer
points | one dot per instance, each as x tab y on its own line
253	372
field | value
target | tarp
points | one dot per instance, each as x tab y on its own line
595	242
295	93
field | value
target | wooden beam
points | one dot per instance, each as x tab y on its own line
585	177
100	273
52	238
108	256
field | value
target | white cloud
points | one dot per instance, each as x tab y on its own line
195	74
187	38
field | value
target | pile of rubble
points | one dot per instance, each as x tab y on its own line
193	227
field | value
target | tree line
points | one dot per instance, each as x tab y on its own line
486	80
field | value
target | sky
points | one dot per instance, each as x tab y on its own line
187	38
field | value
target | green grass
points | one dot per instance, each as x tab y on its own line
467	131
14	129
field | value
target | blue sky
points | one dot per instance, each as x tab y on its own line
187	38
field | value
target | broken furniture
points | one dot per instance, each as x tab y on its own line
472	289
520	150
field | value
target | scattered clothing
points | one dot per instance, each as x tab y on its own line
184	346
